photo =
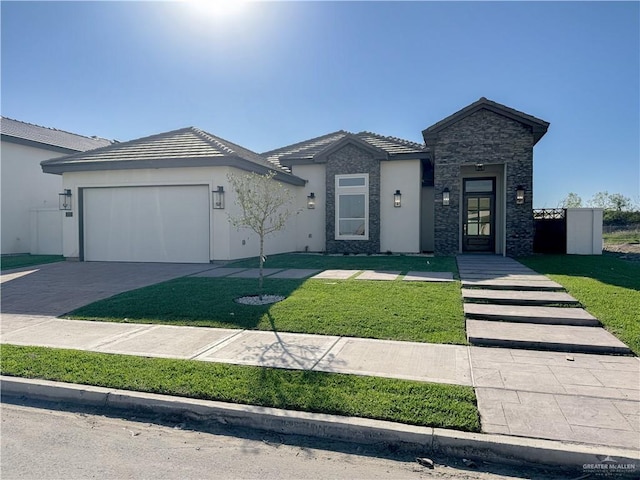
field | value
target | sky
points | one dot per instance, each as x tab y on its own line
268	74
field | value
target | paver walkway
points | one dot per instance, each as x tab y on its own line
296	273
535	391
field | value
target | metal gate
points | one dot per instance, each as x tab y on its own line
550	230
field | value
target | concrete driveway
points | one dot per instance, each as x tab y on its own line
58	288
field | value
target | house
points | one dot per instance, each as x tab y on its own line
166	198
31	220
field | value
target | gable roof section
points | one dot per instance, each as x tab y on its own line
538	126
316	149
47	138
186	147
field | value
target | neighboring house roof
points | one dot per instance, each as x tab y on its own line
48	138
313	150
538	126
186	147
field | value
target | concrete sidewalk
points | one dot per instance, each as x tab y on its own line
383	358
526	393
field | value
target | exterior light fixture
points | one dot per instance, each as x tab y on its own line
64	200
519	195
218	198
479	167
445	196
397	199
311	201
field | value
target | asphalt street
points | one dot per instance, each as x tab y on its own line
43	441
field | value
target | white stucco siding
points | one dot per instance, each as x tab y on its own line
225	242
244	243
400	226
26	190
311	223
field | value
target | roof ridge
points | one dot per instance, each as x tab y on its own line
304	142
93	137
212	138
395	139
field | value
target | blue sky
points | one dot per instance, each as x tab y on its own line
271	74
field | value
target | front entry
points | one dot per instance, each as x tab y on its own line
478	228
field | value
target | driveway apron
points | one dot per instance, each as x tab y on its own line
58	288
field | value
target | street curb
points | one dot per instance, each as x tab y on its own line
477	446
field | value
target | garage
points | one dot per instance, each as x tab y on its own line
146	224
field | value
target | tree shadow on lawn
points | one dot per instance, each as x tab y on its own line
190	301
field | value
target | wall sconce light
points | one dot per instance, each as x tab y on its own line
397	199
218	198
519	195
311	201
64	200
445	196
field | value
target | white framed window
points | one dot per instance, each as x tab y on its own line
352	207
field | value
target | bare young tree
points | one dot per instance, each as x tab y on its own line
264	207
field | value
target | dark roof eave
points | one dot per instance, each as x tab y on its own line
41	145
223	161
411	156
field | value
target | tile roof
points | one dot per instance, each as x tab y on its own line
186	147
15	129
308	149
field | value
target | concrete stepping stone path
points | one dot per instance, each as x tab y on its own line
563	338
530	314
518	297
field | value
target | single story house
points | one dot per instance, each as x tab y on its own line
166	198
31	219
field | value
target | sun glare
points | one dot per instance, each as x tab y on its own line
218	8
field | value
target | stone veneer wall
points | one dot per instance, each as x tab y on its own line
488	138
351	159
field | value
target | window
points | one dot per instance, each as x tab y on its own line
352	207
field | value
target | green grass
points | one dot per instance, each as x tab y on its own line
401	263
410	311
8	262
416	403
608	287
625	236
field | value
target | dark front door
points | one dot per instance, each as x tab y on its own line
478	229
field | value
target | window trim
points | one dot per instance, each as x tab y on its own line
352	190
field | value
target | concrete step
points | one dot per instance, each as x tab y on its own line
560	338
513	284
518	297
530	314
535	277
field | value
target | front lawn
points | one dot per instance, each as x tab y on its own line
608	287
416	403
397	310
8	262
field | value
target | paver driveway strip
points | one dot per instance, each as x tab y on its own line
57	288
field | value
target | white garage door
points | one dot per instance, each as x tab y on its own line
146	224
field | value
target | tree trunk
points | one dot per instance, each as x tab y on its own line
261	280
